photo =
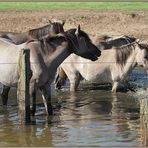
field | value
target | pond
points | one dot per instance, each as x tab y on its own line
86	118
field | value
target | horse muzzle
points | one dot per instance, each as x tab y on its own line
94	58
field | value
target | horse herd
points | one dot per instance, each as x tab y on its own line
56	54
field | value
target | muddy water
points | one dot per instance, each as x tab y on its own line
88	118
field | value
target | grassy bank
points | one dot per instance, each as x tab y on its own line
24	6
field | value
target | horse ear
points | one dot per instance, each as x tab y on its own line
77	30
63	22
137	40
49	21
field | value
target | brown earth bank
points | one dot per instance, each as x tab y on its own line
132	23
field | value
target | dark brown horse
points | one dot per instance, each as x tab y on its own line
52	29
45	56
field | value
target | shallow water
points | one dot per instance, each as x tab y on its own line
87	118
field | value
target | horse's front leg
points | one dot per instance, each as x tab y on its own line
33	97
115	87
46	95
4	94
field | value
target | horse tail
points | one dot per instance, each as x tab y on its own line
60	78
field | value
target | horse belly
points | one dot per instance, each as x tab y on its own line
103	77
8	74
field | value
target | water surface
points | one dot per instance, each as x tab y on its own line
87	118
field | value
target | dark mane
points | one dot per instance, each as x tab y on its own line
52	41
116	42
65	35
42	31
52	38
81	33
123	52
39	32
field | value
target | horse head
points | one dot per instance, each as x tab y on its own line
52	29
56	27
81	44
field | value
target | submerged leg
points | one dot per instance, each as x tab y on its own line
46	95
119	87
33	98
4	95
74	83
115	87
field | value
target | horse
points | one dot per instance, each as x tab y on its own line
52	29
46	55
104	42
112	67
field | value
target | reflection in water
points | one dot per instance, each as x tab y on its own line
144	129
97	119
14	134
87	118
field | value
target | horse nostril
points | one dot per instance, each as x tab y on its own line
95	58
99	53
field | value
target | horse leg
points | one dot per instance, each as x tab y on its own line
4	95
46	95
60	78
74	83
119	86
33	97
115	87
33	110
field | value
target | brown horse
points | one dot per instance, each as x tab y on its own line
45	56
112	67
107	42
52	29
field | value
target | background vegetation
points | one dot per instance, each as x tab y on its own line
24	6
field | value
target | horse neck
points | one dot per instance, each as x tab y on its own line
56	57
73	43
39	32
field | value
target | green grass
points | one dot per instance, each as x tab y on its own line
23	6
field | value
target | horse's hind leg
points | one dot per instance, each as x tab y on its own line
118	87
60	78
74	83
46	95
4	95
